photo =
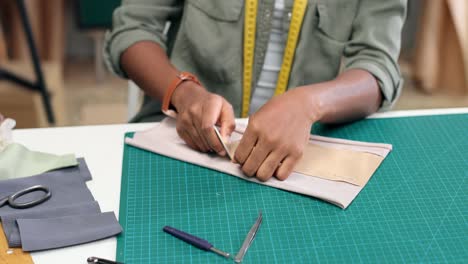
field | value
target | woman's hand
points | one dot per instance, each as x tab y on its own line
198	111
276	136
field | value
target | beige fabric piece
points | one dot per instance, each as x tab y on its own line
338	164
163	139
334	164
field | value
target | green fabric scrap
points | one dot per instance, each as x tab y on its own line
17	161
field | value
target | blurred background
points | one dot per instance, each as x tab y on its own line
52	72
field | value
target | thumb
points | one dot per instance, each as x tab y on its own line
226	120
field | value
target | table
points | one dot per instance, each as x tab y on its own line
102	146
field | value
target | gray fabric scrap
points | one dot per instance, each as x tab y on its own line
10	227
67	186
84	170
41	234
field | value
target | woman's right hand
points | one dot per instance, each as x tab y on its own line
197	112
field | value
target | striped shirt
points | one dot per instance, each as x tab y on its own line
266	84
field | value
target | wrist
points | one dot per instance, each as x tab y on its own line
185	92
179	80
313	101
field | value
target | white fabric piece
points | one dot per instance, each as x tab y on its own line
163	139
6	128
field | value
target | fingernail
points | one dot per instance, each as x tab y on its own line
222	153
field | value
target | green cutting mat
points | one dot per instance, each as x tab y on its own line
414	209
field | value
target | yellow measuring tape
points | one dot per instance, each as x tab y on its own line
250	22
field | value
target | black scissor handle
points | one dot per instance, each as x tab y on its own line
13	197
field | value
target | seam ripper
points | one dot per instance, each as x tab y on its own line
195	241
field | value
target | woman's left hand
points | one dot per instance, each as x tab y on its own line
276	135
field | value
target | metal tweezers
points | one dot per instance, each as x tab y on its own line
248	240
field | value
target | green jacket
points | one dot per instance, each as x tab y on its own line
205	38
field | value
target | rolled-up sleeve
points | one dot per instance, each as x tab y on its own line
375	45
135	21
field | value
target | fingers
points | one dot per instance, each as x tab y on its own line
255	159
270	165
198	120
186	137
211	113
199	131
246	146
227	121
201	138
189	134
286	167
265	154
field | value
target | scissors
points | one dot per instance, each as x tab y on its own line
11	199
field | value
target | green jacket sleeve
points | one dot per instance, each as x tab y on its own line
375	44
134	21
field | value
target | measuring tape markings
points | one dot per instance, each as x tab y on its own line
251	6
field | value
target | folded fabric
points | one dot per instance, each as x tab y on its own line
67	186
10	227
41	234
17	161
6	128
163	139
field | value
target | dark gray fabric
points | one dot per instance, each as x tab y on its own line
84	170
67	186
10	227
69	217
40	234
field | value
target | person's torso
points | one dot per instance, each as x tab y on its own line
208	41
